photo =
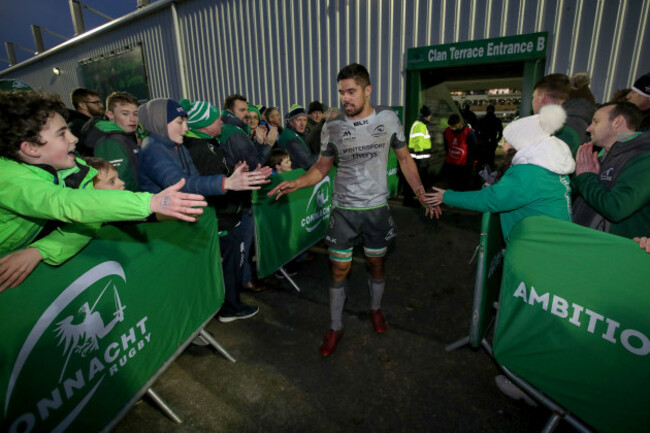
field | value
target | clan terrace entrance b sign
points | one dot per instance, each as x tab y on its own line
507	49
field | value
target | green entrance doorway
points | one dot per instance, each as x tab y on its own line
447	78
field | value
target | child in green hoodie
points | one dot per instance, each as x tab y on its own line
42	181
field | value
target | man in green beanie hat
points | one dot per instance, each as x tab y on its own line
293	138
203	119
204	122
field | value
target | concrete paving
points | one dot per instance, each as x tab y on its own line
401	381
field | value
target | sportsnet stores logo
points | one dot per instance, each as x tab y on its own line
319	206
74	346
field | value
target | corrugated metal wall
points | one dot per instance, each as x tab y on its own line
159	50
280	52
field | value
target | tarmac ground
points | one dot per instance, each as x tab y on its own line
400	381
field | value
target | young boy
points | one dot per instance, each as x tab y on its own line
114	139
41	180
106	177
280	161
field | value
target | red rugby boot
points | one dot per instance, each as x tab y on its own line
329	342
378	321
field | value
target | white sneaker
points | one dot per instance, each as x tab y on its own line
512	390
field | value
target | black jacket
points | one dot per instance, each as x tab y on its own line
237	145
210	160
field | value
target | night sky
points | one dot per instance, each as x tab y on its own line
17	16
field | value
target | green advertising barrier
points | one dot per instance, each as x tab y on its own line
573	321
488	278
286	227
487	283
81	342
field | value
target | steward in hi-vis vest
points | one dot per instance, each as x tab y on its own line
419	145
419	138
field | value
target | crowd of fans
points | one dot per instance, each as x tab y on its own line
599	155
573	159
151	151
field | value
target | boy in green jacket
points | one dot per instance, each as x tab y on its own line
114	139
41	180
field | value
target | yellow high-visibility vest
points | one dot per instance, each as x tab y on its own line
419	138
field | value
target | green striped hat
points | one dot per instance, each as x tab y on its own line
294	111
200	114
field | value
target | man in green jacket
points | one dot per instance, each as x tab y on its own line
293	139
114	139
41	180
614	192
235	140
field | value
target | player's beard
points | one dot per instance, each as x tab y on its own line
356	111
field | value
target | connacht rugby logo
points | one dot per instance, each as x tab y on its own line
73	347
318	206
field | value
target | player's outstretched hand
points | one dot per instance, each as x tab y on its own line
429	202
432	211
180	205
17	266
283	188
242	179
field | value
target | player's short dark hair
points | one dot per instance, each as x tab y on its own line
229	103
356	71
277	156
120	98
630	112
22	118
80	95
556	86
